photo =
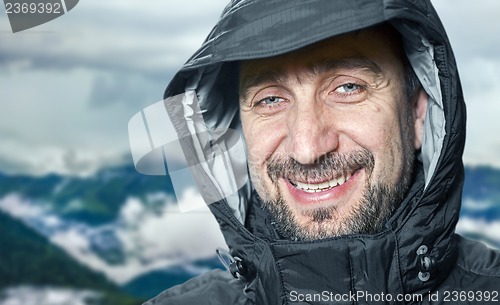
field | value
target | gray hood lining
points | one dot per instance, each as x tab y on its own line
207	153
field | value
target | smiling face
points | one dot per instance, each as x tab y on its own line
330	134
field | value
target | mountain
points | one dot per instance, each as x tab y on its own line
102	194
480	213
118	221
154	282
482	183
128	226
28	258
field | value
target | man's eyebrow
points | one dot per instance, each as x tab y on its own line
358	63
266	76
317	68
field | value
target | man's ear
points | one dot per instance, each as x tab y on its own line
419	108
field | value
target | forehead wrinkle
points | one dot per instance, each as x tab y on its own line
273	75
357	63
316	68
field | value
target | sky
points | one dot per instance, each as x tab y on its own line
69	87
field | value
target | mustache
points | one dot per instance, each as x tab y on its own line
326	167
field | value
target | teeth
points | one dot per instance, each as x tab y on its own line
323	186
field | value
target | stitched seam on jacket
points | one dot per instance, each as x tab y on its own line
477	272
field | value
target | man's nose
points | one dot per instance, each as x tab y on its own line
312	133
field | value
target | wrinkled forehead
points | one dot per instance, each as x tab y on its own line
374	49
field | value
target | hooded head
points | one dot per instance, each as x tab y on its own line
332	132
338	122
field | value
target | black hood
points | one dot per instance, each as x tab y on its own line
415	250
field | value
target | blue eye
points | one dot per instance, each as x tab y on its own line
270	100
348	88
348	91
270	104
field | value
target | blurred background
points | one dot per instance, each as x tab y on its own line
78	225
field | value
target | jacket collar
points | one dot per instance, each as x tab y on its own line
416	250
412	255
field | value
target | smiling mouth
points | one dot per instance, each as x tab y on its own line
322	186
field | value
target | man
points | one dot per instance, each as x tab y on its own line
354	124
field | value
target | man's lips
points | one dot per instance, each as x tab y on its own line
329	191
322	186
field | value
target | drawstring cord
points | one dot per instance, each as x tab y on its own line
426	263
233	264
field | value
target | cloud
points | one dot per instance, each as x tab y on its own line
21	158
74	83
120	36
488	232
185	236
471	29
129	89
32	295
151	235
46	114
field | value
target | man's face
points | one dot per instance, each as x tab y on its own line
330	134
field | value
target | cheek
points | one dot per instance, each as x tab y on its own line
386	147
370	130
263	139
377	129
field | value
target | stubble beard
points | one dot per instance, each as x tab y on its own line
368	216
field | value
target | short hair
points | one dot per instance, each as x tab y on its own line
411	81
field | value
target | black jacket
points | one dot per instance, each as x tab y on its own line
417	258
